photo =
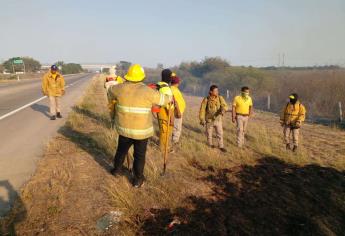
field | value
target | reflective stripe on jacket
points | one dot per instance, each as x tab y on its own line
293	113
133	118
53	86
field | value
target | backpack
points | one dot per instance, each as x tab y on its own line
207	104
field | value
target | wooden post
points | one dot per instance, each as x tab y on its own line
340	112
269	102
227	94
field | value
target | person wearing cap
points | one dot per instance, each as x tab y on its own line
53	86
165	125
242	108
180	106
291	119
133	119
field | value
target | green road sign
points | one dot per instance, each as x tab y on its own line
17	61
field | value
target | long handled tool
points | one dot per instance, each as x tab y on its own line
167	141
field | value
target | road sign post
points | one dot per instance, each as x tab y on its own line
18	61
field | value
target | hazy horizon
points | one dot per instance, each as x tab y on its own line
308	32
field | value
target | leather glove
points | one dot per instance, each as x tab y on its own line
203	123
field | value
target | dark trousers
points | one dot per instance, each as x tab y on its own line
140	147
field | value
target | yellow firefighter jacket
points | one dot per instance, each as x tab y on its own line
292	114
53	86
211	108
133	118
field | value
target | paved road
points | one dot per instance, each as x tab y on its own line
24	134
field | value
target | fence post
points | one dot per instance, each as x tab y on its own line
227	94
340	112
269	102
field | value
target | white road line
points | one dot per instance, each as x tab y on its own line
21	108
31	103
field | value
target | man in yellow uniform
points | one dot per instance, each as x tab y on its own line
53	86
165	125
180	106
211	114
292	117
242	108
133	119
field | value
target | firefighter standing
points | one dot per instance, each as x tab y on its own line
180	107
291	119
211	114
165	125
242	108
133	119
53	86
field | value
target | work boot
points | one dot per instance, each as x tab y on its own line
138	182
58	115
53	118
288	146
294	149
222	149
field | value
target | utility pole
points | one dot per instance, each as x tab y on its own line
13	68
340	112
269	102
24	66
283	60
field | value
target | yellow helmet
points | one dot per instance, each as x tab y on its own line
135	73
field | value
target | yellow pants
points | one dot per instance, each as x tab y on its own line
163	128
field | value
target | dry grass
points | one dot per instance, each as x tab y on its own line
261	189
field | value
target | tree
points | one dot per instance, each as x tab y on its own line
31	65
69	68
122	67
209	64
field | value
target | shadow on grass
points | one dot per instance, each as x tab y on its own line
270	198
197	130
99	119
88	144
12	209
91	146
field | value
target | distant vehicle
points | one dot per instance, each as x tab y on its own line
19	72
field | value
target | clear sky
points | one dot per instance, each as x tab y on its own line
247	32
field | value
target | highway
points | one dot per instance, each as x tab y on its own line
25	129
